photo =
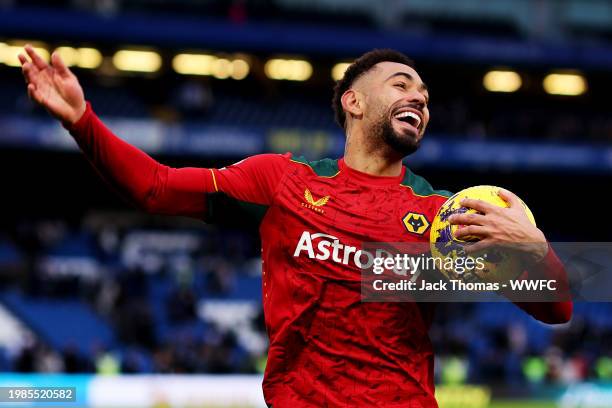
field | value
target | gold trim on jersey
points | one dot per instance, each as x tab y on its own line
214	180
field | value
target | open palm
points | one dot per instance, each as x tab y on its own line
53	86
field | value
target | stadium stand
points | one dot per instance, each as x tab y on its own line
88	288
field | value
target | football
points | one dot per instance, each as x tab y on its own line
495	264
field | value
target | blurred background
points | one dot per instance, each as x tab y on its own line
145	311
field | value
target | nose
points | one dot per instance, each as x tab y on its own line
416	97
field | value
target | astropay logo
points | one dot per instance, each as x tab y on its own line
324	247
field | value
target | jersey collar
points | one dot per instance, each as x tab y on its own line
366	178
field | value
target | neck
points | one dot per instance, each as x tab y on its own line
367	158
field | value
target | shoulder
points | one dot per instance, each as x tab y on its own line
264	161
421	187
323	167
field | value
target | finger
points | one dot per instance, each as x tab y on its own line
509	197
59	65
29	71
479	246
25	70
22	59
35	94
26	66
478	205
467	219
31	91
36	59
471	231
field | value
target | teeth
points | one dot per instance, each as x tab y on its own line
409	115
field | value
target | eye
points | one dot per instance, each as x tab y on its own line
400	85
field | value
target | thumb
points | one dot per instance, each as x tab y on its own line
509	197
59	65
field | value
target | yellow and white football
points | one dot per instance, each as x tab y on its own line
499	265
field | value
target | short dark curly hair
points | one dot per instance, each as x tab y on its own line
359	67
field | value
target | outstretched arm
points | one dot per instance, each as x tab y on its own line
143	181
147	184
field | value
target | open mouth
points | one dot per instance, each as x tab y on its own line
409	117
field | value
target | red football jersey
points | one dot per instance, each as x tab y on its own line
327	348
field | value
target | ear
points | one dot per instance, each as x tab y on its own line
351	103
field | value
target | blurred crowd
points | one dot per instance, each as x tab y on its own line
477	345
153	302
455	113
150	300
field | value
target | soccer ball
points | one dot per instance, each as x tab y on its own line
495	264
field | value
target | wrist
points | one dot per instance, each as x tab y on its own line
78	117
78	114
541	252
540	247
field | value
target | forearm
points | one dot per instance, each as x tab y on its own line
559	308
143	181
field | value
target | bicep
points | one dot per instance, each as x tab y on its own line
244	191
253	180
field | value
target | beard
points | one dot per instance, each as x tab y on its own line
404	143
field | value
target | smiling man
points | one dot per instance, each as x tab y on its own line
327	347
386	110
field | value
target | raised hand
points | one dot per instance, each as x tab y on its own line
53	86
